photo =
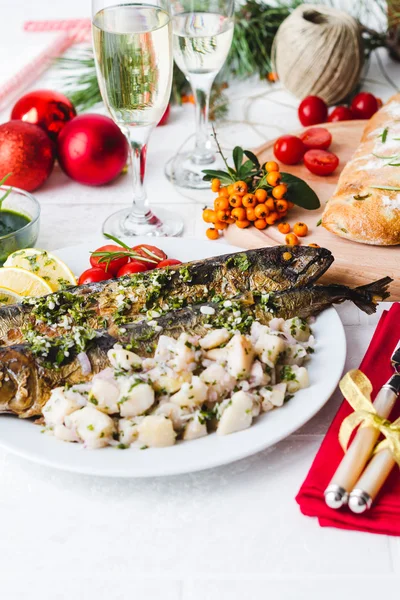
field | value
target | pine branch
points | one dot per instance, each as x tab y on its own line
256	25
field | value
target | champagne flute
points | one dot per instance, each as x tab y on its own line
203	33
133	53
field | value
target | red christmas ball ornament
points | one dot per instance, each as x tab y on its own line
45	108
92	149
27	152
165	118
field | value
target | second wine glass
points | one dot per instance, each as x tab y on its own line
203	33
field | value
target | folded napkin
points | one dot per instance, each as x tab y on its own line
384	516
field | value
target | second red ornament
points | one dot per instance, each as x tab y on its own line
92	149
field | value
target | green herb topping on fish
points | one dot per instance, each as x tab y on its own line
113	303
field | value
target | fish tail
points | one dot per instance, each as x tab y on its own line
366	297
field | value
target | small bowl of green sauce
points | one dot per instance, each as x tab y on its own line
19	221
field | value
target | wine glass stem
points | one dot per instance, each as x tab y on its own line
201	86
138	138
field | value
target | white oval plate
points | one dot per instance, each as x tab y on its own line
325	368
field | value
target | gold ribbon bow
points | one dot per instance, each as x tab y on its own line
357	389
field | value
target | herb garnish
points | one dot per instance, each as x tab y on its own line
8	192
240	261
364	197
384	134
389	188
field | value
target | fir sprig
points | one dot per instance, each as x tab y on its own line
256	24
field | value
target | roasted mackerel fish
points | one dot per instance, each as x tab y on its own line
112	303
29	373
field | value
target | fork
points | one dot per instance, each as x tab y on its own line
353	463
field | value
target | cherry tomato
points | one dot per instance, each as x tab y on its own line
93	275
364	105
133	267
316	137
312	110
320	162
289	149
169	262
151	252
341	113
113	266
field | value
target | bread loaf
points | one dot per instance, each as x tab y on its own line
366	205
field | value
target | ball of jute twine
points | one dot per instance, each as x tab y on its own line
318	50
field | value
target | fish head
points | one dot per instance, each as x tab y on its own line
291	266
17	380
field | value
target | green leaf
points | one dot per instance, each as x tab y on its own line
222	175
238	157
247	167
300	193
253	158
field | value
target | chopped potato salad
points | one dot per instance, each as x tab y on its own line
191	387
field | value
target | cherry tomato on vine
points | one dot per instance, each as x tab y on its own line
151	252
321	162
364	105
169	262
106	262
93	275
316	137
131	268
341	113
289	149
312	110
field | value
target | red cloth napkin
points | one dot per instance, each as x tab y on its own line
384	516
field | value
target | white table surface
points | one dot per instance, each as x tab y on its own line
230	533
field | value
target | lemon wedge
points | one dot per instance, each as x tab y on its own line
7	296
23	282
44	264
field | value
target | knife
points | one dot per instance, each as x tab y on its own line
360	450
379	468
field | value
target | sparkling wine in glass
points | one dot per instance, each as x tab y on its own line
203	33
133	53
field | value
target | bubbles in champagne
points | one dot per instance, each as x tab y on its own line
201	42
133	45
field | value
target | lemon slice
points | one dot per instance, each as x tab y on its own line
45	265
23	282
8	296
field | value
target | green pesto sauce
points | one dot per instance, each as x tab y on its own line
11	221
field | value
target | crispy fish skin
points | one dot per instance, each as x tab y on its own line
26	382
125	300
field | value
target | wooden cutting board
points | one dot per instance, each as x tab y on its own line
355	264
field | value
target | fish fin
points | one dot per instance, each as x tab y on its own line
366	297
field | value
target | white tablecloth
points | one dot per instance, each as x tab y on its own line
230	533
